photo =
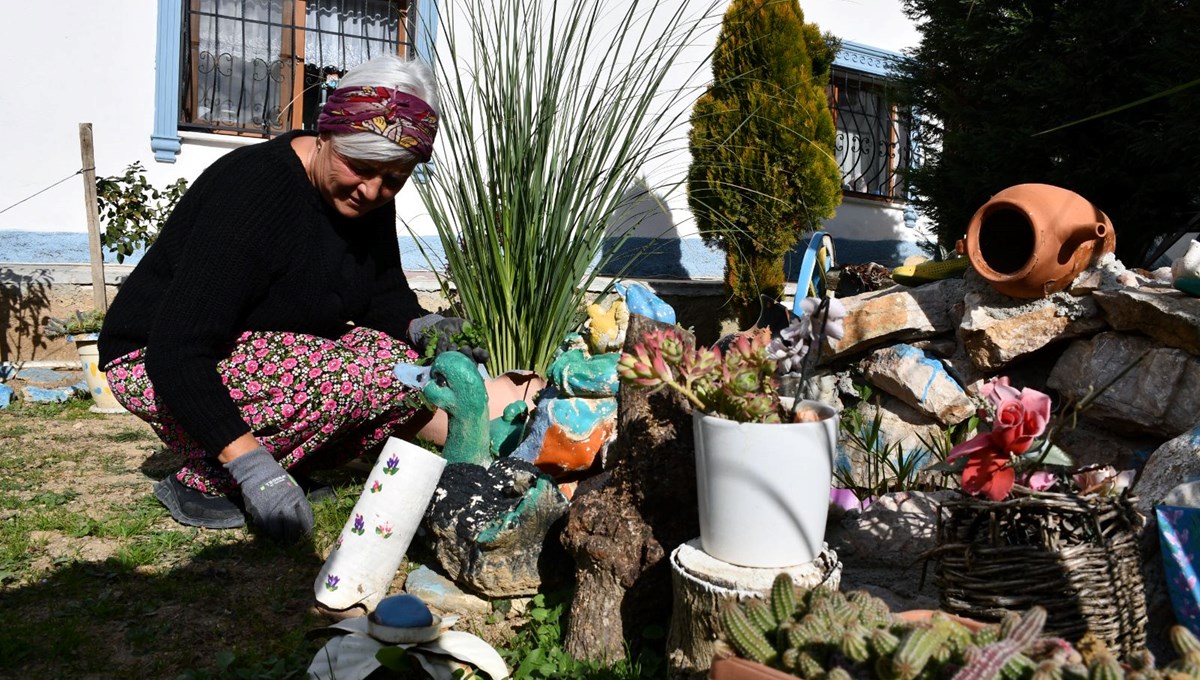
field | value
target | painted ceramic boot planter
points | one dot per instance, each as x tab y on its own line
1031	240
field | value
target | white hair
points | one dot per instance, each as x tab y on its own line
409	76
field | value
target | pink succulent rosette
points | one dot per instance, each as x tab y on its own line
1021	417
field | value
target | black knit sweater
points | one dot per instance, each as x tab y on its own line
251	246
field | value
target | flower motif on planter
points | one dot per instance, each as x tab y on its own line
359	525
376	487
384	530
392	465
337	545
331	583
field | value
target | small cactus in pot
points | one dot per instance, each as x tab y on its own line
827	635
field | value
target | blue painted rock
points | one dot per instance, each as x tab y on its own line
641	300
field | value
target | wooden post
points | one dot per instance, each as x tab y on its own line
92	210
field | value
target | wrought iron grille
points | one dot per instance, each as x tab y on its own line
264	67
874	141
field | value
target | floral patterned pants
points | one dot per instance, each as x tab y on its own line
311	401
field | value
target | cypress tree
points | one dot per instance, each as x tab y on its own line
763	170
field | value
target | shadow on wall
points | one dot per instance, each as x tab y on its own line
24	306
652	248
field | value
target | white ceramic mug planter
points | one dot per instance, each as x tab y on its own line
764	488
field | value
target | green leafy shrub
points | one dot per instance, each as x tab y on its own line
763	170
133	210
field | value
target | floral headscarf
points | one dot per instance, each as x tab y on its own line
406	120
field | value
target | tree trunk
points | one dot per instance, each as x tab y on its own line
623	524
702	584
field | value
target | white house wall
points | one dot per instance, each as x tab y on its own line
78	61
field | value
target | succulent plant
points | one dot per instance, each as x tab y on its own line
827	635
737	384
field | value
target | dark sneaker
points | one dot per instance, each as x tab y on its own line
196	508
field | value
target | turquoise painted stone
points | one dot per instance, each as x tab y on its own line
641	300
402	611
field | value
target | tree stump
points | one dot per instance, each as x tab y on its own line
702	584
623	524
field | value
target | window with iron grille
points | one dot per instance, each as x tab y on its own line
264	67
873	140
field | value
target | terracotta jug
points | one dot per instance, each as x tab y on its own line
1031	240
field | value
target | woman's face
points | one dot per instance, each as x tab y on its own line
354	187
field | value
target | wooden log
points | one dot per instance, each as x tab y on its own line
702	584
623	524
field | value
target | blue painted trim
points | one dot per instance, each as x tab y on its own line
866	59
426	47
165	139
427	24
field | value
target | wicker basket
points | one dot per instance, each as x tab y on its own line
1076	556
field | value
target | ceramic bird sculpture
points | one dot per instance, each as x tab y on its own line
1185	271
456	387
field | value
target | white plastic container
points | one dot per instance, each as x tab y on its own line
764	488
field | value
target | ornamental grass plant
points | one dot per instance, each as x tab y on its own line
548	125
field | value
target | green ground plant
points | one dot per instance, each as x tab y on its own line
763	170
886	466
548	123
96	580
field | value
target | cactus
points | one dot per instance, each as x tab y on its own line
748	640
783	598
1183	641
826	635
1104	667
760	615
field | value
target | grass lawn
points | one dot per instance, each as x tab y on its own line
97	581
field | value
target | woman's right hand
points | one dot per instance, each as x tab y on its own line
275	501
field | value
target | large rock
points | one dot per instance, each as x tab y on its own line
897	314
1164	314
997	329
897	529
1160	396
1176	461
494	531
908	374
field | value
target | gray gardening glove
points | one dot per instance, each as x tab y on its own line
444	328
274	500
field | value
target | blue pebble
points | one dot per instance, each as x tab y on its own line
6	395
402	611
43	395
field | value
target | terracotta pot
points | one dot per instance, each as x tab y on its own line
1031	240
735	668
502	390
